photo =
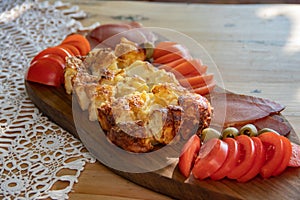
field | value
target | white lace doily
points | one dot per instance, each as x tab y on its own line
35	153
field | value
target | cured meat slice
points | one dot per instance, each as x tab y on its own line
109	35
241	109
273	122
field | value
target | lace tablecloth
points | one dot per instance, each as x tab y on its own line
35	153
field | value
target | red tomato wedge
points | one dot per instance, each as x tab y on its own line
79	41
209	82
71	49
191	67
196	80
287	147
246	159
201	70
170	65
259	161
170	57
188	155
185	68
63	53
205	89
84	50
160	51
274	153
232	157
211	157
75	37
47	71
295	158
54	58
167	49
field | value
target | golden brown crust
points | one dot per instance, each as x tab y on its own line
197	114
128	52
129	140
102	59
137	105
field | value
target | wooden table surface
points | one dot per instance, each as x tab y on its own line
256	48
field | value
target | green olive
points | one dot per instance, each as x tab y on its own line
230	132
149	49
249	129
264	130
210	133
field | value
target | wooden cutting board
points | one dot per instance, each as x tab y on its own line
57	105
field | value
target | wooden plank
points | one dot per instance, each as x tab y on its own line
167	180
249	44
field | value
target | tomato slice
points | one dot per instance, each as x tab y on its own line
71	49
63	53
83	49
185	68
54	58
201	69
165	48
196	80
274	153
79	41
246	159
47	71
211	157
170	65
287	146
295	158
205	89
191	67
259	161
232	157
188	155
160	49
170	57
209	82
75	37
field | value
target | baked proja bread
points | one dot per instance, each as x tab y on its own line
139	107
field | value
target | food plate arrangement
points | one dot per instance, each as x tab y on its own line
148	108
